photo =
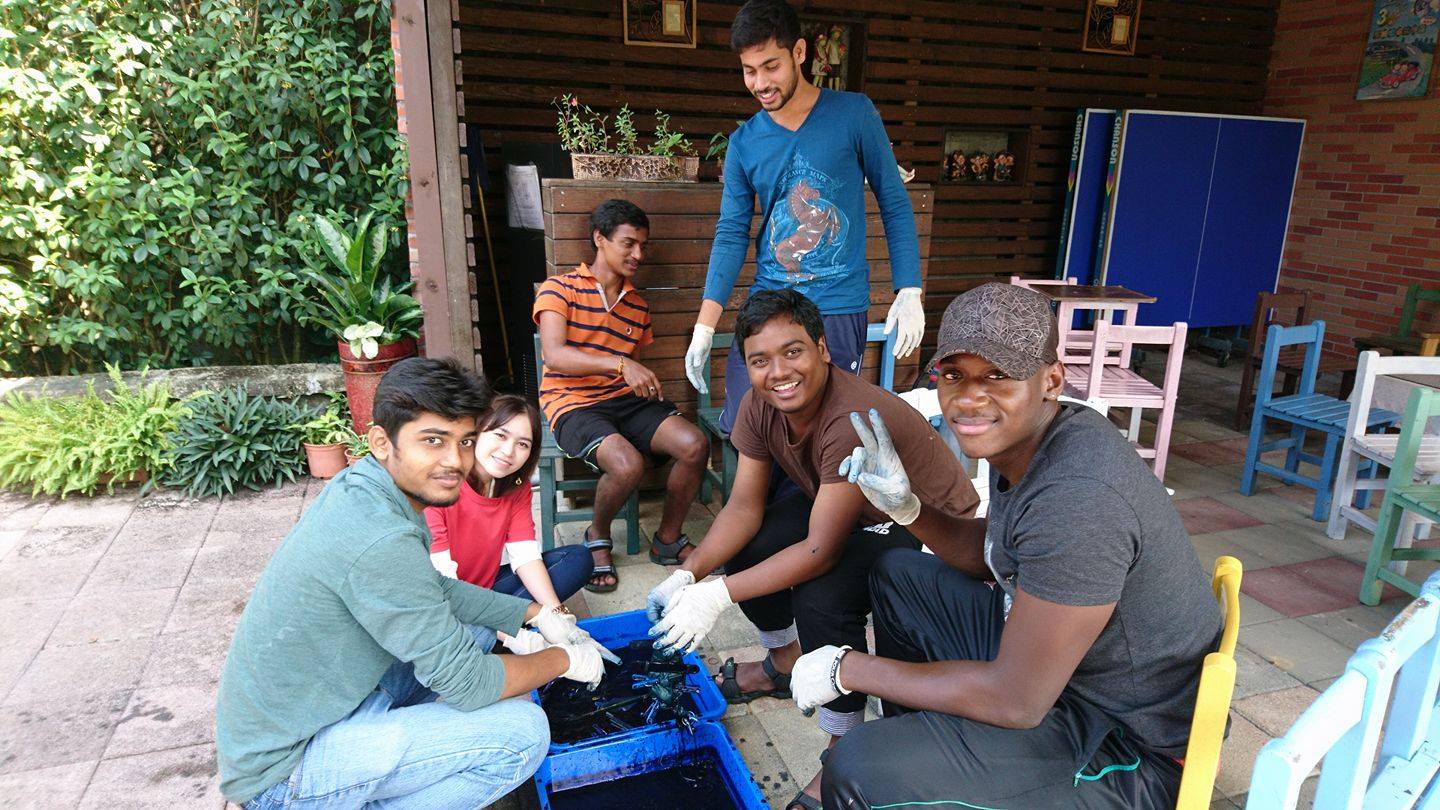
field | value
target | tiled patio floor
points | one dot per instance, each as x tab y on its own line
116	612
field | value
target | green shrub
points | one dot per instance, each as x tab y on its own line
60	445
328	426
230	440
159	162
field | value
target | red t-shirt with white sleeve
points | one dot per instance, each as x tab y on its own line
475	530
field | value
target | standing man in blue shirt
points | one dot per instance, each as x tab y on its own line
806	155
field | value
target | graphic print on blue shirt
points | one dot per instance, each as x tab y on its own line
807	228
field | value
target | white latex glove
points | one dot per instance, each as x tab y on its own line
660	597
559	628
697	358
525	642
690	614
907	319
815	680
876	468
585	664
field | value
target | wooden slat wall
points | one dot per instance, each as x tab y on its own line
672	278
929	65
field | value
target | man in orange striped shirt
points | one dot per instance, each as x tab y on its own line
604	406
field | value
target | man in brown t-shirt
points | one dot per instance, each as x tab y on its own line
803	562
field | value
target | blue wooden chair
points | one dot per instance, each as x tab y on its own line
708	414
1347	723
552	458
1304	411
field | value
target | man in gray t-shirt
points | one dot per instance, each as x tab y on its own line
1048	656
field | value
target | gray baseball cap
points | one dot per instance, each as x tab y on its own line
1009	325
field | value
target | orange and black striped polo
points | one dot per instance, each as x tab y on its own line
618	330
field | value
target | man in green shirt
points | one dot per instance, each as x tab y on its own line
332	691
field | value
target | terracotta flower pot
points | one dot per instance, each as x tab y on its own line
325	460
351	460
136	477
362	377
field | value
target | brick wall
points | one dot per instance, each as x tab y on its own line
1365	222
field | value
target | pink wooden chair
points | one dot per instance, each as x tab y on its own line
1074	344
1120	387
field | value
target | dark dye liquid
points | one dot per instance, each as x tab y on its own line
695	784
571	707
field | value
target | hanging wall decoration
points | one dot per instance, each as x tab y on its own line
834	52
1110	26
660	23
1400	52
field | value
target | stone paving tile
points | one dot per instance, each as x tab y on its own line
1191	480
63	541
109	511
1255	612
165	717
1268	507
69	671
191	657
58	731
9	538
244	560
217	604
1298	649
1356	624
46	788
1274	544
179	777
139	571
1206	515
763	758
47	577
160	528
1237	757
1341	578
1286	591
1256	676
1205	430
798	739
1274	712
1210	454
109	617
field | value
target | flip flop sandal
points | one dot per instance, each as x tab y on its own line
804	800
668	553
601	570
730	687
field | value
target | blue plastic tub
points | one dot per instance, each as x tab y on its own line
620	629
653	750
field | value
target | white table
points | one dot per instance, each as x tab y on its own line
1392	392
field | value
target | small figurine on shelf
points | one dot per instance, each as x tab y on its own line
980	167
1004	166
956	166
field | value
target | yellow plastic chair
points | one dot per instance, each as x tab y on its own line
1212	704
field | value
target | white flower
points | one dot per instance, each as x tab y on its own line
362	339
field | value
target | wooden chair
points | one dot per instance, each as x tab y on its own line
1119	387
1364	451
553	483
1074	344
1404	341
708	414
1304	411
1347	726
1286	309
1403	495
1212	701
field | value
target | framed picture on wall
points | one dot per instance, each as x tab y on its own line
981	157
1110	26
660	23
834	52
1400	51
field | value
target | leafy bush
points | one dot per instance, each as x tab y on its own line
158	164
328	426
230	440
60	445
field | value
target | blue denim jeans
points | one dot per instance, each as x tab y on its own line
569	568
402	749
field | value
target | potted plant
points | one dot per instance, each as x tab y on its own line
586	135
719	146
375	323
325	437
357	448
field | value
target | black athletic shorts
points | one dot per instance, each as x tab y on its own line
579	432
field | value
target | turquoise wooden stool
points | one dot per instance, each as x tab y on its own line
1304	411
1403	494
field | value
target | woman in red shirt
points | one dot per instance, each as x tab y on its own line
473	537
